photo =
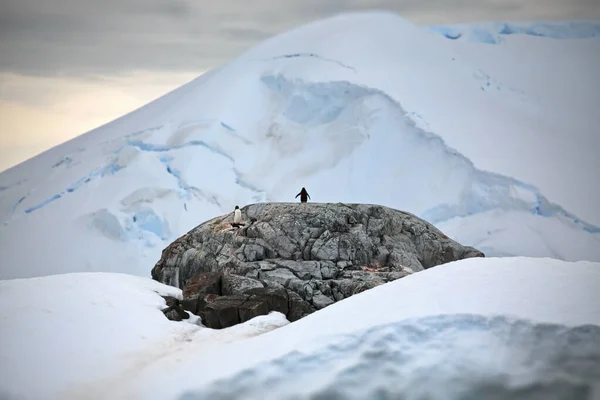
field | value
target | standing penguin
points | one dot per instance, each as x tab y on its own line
237	215
303	196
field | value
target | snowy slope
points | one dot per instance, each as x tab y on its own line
66	329
490	325
361	107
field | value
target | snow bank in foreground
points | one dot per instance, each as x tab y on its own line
462	356
61	328
545	291
103	336
65	330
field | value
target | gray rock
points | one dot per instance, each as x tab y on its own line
322	301
172	314
276	299
298	306
252	308
315	253
223	312
197	287
174	310
236	284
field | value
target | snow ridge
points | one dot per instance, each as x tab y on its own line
316	56
118	161
478	191
494	32
111	168
450	352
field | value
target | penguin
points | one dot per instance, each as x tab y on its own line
237	215
303	195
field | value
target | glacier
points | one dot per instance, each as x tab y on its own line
496	32
383	112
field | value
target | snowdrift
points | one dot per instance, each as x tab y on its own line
361	107
441	357
488	325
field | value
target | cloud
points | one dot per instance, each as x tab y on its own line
37	113
67	66
80	37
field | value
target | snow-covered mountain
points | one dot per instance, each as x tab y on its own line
496	145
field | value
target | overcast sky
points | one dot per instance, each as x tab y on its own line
67	66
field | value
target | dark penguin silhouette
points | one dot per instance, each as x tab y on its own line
304	196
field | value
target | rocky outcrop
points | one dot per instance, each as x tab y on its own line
224	300
174	310
313	254
231	309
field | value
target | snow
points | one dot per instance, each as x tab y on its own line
442	357
496	32
455	132
66	329
548	236
361	107
484	324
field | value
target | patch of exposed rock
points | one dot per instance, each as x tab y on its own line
296	258
174	310
224	299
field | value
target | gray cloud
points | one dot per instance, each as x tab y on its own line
79	37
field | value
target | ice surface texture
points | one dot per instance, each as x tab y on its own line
437	357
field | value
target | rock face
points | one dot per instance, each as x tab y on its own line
306	255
